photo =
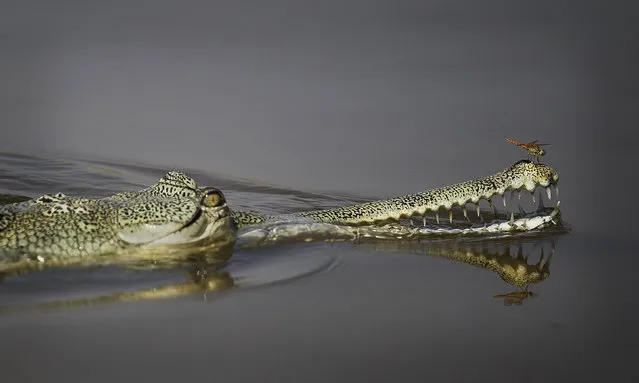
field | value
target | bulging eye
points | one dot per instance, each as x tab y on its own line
213	198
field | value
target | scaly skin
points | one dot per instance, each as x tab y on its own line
61	230
521	175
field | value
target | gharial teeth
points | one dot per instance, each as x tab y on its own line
424	219
541	203
465	212
548	193
518	194
503	200
450	216
533	197
512	217
557	190
479	215
437	217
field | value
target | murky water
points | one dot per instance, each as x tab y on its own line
418	303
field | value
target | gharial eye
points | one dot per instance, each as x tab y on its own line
213	198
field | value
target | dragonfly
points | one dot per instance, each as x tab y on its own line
533	148
516	297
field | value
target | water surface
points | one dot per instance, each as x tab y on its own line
314	310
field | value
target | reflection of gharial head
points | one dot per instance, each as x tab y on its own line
519	260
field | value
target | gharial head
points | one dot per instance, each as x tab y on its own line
175	212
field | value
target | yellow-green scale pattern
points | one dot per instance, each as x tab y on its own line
521	175
56	227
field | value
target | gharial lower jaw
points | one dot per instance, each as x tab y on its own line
525	222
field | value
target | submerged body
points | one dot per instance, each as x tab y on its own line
175	213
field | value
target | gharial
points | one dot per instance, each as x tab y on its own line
176	218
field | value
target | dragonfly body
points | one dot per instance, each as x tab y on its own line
535	150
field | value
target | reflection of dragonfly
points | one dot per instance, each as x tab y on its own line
516	297
533	147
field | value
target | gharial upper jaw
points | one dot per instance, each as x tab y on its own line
530	183
528	175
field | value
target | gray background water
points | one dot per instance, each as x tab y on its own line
370	98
